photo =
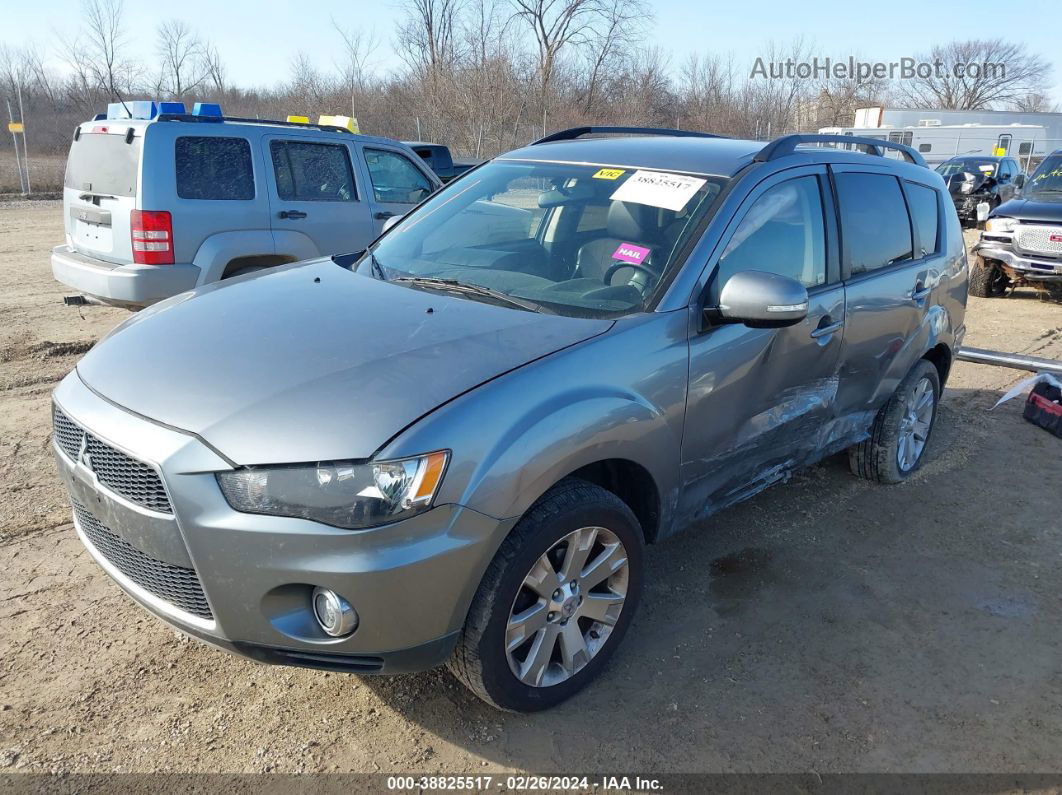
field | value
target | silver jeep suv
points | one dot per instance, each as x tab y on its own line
454	447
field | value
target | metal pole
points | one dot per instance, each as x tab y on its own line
1018	361
18	158
25	151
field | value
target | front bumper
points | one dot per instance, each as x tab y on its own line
1031	269
132	286
966	205
411	582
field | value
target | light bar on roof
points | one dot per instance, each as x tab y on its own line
209	109
346	122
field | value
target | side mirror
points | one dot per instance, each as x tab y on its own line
761	300
394	219
1019	181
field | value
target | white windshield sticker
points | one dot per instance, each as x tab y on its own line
658	189
989	169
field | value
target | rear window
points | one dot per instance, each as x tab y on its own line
214	168
104	164
875	226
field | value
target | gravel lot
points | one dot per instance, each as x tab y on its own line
826	625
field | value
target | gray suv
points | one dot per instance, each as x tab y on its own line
454	446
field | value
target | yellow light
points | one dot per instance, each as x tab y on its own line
299	119
346	122
434	465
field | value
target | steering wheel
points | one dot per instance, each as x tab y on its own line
615	266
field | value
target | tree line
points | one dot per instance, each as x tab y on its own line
487	75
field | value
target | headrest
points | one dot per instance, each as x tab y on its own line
634	222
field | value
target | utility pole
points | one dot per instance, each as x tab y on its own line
13	127
25	151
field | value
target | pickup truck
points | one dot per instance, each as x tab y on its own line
439	160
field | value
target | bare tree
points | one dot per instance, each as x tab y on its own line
976	74
184	67
621	23
1034	102
105	44
427	38
215	69
358	49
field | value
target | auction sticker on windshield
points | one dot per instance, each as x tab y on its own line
658	189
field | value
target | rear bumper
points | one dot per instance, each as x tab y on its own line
133	286
1030	268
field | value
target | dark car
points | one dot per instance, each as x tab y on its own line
440	160
1022	241
980	183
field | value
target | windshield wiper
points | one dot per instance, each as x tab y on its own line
377	268
452	285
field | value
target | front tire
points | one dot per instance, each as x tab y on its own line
555	601
900	434
987	279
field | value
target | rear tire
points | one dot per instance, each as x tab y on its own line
885	457
497	651
987	279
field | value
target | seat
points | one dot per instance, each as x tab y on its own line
627	222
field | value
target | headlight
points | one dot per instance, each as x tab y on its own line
1001	224
338	493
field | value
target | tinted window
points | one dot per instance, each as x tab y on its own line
925	147
214	168
926	215
312	172
395	178
874	223
103	163
781	233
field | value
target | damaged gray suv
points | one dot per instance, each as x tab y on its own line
455	446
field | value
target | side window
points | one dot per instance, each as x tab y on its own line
214	168
925	211
875	226
308	172
783	232
395	178
925	147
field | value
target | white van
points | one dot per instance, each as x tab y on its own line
157	201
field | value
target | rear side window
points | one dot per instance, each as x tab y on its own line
214	168
308	172
925	211
103	164
875	226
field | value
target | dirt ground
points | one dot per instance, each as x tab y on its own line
826	625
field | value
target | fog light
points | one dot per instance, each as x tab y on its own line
334	613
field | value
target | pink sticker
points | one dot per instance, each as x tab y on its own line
628	252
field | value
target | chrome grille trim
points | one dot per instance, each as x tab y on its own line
173	589
1037	238
119	473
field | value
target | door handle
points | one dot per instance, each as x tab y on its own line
292	214
920	292
823	331
383	215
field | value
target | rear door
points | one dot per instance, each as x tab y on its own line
891	269
396	183
100	189
313	193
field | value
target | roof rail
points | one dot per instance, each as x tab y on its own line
787	144
578	132
215	119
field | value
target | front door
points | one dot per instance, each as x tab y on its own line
761	401
314	199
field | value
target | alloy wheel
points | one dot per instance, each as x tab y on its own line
915	425
566	607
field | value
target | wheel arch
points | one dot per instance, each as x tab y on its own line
941	357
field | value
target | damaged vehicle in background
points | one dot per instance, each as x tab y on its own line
454	447
980	183
1022	241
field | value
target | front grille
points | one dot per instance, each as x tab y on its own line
1030	237
175	585
125	476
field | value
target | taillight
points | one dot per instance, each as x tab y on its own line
152	234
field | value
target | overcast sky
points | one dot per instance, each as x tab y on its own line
257	38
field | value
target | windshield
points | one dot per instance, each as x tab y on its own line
559	238
1047	179
968	165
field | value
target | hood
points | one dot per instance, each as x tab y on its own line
313	362
1031	209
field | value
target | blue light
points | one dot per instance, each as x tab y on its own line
206	109
172	107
